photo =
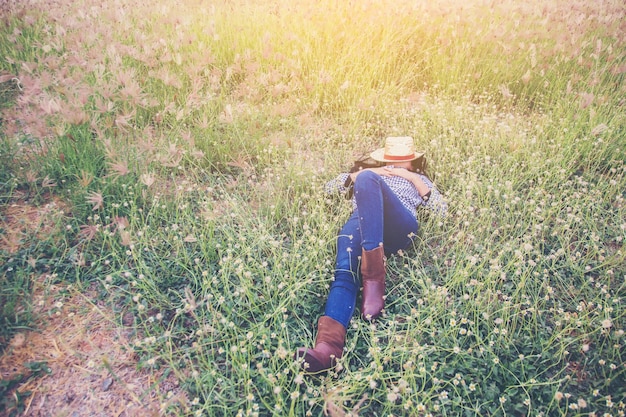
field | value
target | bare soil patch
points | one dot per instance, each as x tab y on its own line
91	367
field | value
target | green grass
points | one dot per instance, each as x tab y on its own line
192	144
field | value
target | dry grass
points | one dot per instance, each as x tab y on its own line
18	219
92	368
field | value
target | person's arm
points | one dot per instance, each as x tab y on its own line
378	170
432	198
422	188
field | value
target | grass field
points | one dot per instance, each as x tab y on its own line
189	143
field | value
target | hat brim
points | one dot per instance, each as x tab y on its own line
379	155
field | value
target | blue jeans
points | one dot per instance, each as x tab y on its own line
380	218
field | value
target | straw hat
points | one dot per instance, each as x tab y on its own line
397	149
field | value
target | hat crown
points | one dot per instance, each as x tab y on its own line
397	149
400	146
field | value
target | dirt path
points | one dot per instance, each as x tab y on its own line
83	353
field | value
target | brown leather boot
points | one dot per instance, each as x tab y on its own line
373	264
331	337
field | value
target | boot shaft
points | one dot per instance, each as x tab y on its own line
373	264
373	271
331	332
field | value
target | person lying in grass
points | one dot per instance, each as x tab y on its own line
383	221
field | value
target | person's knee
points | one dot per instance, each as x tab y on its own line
366	176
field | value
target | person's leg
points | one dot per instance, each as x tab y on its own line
383	220
345	285
331	327
386	226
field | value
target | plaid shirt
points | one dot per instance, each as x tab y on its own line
403	188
